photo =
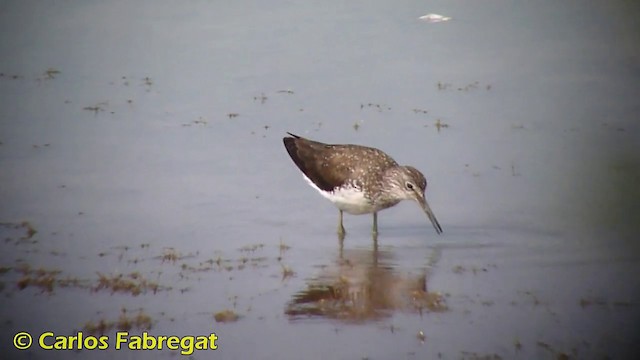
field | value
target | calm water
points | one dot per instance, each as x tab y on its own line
144	184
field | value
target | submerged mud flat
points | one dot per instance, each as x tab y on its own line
416	295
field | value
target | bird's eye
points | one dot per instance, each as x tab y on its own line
409	186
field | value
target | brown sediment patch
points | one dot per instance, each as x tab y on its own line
560	355
29	231
287	272
225	316
251	248
133	283
431	301
45	279
125	322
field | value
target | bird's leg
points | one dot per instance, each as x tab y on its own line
375	251
374	230
341	231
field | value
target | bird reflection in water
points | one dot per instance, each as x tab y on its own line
364	285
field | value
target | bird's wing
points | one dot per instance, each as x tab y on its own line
329	166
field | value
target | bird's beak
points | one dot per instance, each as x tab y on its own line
427	210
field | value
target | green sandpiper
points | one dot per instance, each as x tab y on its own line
358	179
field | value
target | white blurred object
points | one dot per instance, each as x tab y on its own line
434	18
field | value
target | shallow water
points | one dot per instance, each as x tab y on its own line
145	186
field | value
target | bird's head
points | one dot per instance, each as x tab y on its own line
408	183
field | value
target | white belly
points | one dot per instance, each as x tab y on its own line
350	200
